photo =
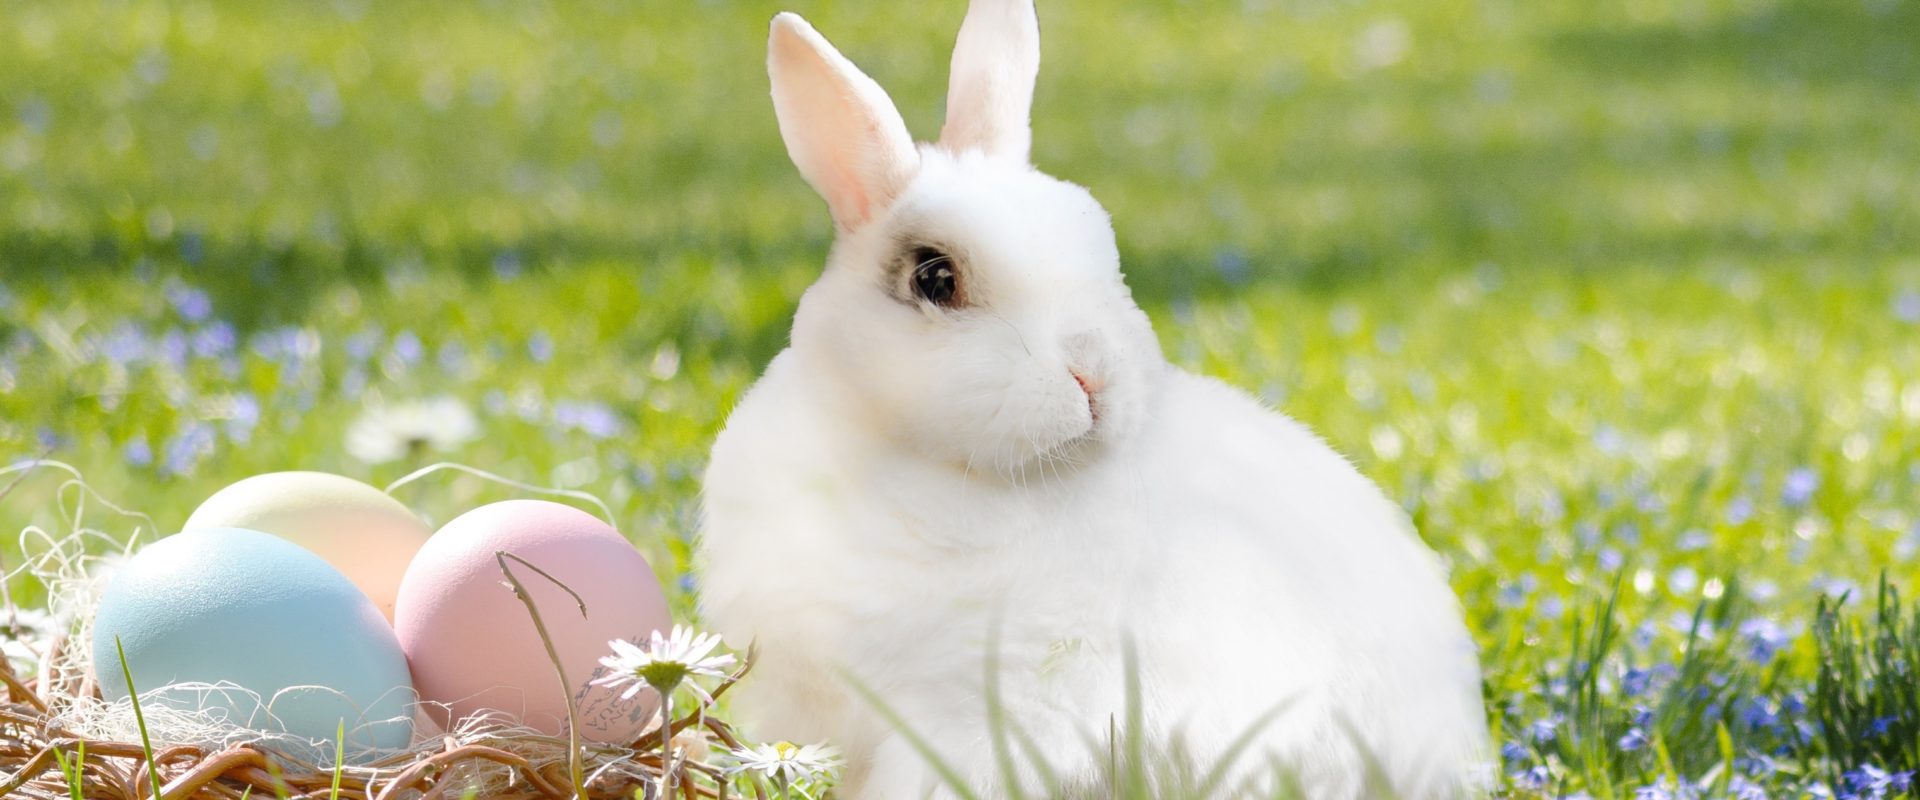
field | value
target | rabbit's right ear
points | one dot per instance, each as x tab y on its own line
840	127
990	89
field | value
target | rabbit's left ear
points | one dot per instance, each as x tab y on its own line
841	129
990	90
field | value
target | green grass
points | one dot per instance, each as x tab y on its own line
74	771
152	766
1604	293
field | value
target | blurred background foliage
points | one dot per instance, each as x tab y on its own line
1602	292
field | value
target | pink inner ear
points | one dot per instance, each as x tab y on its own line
852	183
841	129
827	143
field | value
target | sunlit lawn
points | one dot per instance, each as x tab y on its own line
1605	295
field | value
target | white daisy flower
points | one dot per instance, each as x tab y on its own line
786	763
665	663
391	432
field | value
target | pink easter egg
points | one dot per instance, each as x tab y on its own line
472	645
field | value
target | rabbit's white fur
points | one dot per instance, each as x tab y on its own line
913	492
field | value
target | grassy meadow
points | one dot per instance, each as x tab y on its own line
1621	300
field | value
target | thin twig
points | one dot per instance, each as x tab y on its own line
17	690
575	768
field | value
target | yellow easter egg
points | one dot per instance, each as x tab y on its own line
363	533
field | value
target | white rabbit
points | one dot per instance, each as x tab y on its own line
974	454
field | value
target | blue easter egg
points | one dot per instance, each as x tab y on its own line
247	609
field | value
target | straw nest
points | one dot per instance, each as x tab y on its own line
57	731
482	758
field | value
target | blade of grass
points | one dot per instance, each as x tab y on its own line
75	770
279	780
139	718
339	758
948	775
1211	781
1049	777
997	717
1113	757
1136	724
1378	785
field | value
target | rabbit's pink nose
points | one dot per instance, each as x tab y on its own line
1091	386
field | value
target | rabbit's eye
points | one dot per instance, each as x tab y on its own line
934	278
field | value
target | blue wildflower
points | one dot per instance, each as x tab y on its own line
453	357
1758	713
1515	594
1607	439
185	450
1739	510
216	338
1757	765
594	419
506	264
174	349
1644	634
1837	588
1906	306
1743	788
1799	487
126	345
1551	607
1867	781
193	305
1514	751
1666	789
266	344
540	347
1534	778
1611	559
1232	265
1544	729
137	452
360	346
1694	539
1633	741
1683	580
245	416
1763	639
1683	622
1635	681
1908	545
407	348
193	248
